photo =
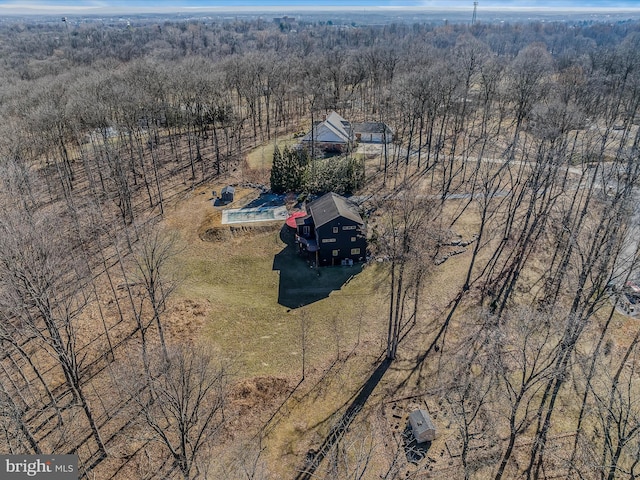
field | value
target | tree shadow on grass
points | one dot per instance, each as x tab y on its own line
300	284
414	451
315	457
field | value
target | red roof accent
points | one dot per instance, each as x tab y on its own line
291	221
633	287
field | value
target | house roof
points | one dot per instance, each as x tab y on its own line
228	189
331	206
334	129
303	220
372	127
292	220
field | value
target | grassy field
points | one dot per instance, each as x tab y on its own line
261	158
258	292
258	287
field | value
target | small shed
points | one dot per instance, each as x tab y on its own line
226	194
422	427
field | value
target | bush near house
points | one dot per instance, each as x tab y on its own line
292	171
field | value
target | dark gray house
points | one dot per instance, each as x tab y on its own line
332	231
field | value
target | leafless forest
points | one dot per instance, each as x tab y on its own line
531	127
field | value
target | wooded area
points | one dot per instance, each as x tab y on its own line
524	136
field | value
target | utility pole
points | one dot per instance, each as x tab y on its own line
475	9
66	26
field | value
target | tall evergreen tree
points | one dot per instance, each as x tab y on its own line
287	172
278	170
294	169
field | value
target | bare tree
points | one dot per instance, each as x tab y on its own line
351	456
619	414
470	380
151	257
17	435
181	403
245	462
523	346
525	84
406	240
43	289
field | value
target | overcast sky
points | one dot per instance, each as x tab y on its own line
101	6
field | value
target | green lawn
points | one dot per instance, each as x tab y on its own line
261	158
253	284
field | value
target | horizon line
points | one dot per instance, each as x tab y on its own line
40	9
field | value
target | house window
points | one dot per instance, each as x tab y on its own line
349	227
328	240
335	253
353	239
335	229
306	230
355	251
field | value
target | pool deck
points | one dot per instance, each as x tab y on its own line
253	215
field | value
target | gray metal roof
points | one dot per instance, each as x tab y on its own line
303	220
331	206
228	189
422	426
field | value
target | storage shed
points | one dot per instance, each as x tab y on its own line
422	427
226	195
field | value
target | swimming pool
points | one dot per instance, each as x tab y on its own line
257	214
